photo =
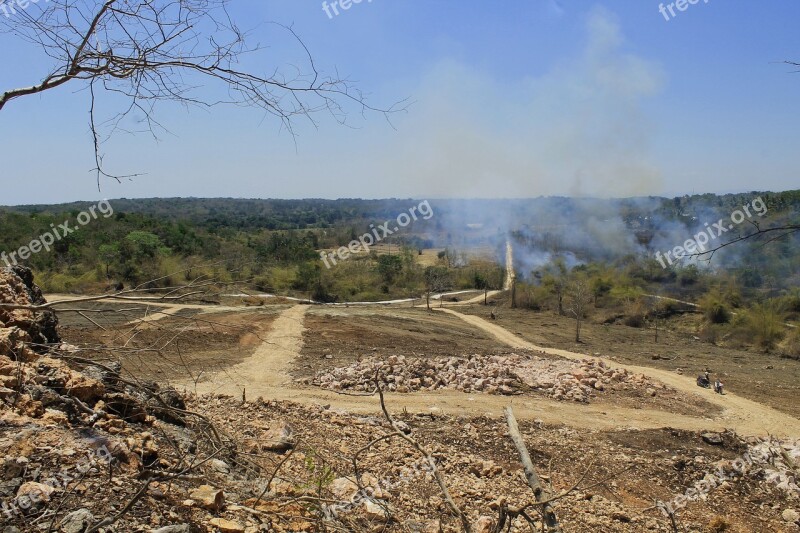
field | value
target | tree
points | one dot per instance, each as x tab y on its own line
488	278
580	297
437	279
389	267
556	280
152	51
108	254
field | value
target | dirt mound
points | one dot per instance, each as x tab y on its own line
496	374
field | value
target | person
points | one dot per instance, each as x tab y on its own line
718	387
704	380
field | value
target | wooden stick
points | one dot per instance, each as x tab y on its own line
539	491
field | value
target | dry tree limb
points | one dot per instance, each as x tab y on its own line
465	525
541	494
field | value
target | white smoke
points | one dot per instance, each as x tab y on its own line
579	129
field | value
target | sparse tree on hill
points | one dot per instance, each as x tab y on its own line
557	281
580	298
437	279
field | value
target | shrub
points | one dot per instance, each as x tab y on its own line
762	324
718	525
635	313
714	308
791	346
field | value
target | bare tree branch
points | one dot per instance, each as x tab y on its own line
188	52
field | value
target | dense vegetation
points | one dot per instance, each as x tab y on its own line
605	247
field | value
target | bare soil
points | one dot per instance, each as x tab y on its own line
339	337
185	344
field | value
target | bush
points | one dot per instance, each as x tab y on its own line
715	309
790	303
635	313
791	346
527	297
762	325
668	308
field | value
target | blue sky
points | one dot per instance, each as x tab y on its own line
509	99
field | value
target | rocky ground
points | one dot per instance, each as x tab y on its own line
86	449
513	374
509	374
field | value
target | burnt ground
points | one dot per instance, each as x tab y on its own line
340	337
764	378
171	348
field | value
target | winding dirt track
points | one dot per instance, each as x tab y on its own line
265	373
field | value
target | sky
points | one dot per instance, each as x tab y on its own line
521	98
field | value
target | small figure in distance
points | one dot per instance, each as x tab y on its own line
703	380
718	386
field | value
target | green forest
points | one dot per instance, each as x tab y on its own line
746	290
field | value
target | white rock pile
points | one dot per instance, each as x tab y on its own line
496	374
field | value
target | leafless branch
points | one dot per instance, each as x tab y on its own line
189	52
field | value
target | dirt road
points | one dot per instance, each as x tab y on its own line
739	413
267	369
265	373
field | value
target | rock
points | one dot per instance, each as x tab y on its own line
484	524
15	342
55	417
227	526
32	494
279	439
374	511
790	515
208	497
715	439
77	521
11	467
431	526
168	406
219	465
83	388
485	469
125	407
343	488
17	287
